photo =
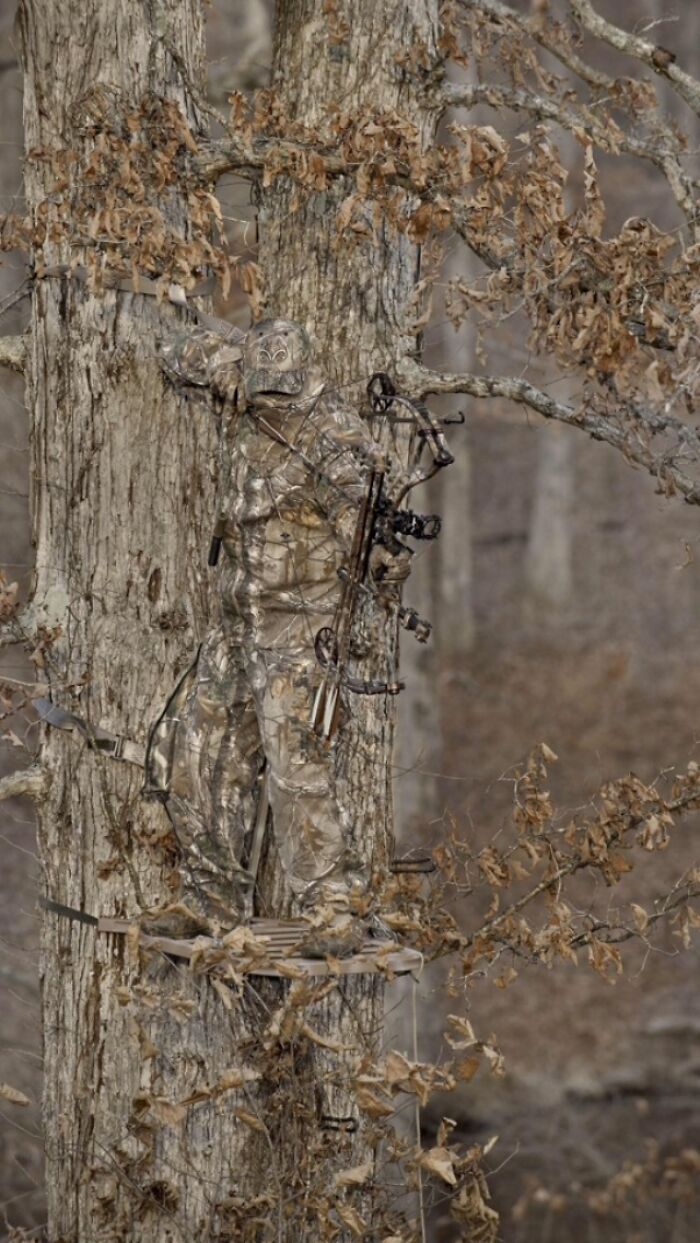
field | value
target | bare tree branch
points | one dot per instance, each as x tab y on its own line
613	934
631	438
657	58
248	159
32	782
12	352
231	155
545	34
574	864
542	108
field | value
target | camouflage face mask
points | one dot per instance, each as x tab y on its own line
276	358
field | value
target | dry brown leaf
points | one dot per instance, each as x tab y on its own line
466	1069
223	991
242	940
372	1100
235	1077
181	1007
355	1177
464	1032
286	968
168	1113
351	1218
13	1095
439	1161
641	919
324	1042
250	1120
495	1059
146	1045
397	1067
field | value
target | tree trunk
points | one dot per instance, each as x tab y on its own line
355	293
123	498
143	1140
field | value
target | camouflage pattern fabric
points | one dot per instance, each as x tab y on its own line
300	461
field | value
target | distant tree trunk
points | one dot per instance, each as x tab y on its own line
123	497
549	556
239	36
455	627
419	719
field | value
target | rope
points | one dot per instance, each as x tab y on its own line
421	1202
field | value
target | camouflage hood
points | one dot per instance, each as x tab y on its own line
276	358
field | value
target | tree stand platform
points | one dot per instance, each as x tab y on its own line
268	947
261	947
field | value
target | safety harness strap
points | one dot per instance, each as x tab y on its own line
145	287
116	746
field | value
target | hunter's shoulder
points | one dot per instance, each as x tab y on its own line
338	435
336	416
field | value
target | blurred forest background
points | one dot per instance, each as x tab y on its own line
565	597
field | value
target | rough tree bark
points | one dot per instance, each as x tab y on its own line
359	301
122	502
140	1143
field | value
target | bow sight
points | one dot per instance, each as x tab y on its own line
407	522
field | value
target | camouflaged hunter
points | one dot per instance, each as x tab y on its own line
300	462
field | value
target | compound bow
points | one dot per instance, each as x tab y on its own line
380	521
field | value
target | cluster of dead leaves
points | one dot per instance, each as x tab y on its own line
512	896
623	305
118	200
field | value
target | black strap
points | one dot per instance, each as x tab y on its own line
68	912
412	864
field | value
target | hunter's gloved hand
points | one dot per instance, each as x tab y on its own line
389	567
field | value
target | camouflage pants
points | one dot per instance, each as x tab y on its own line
238	707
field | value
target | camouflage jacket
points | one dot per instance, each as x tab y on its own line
298	470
